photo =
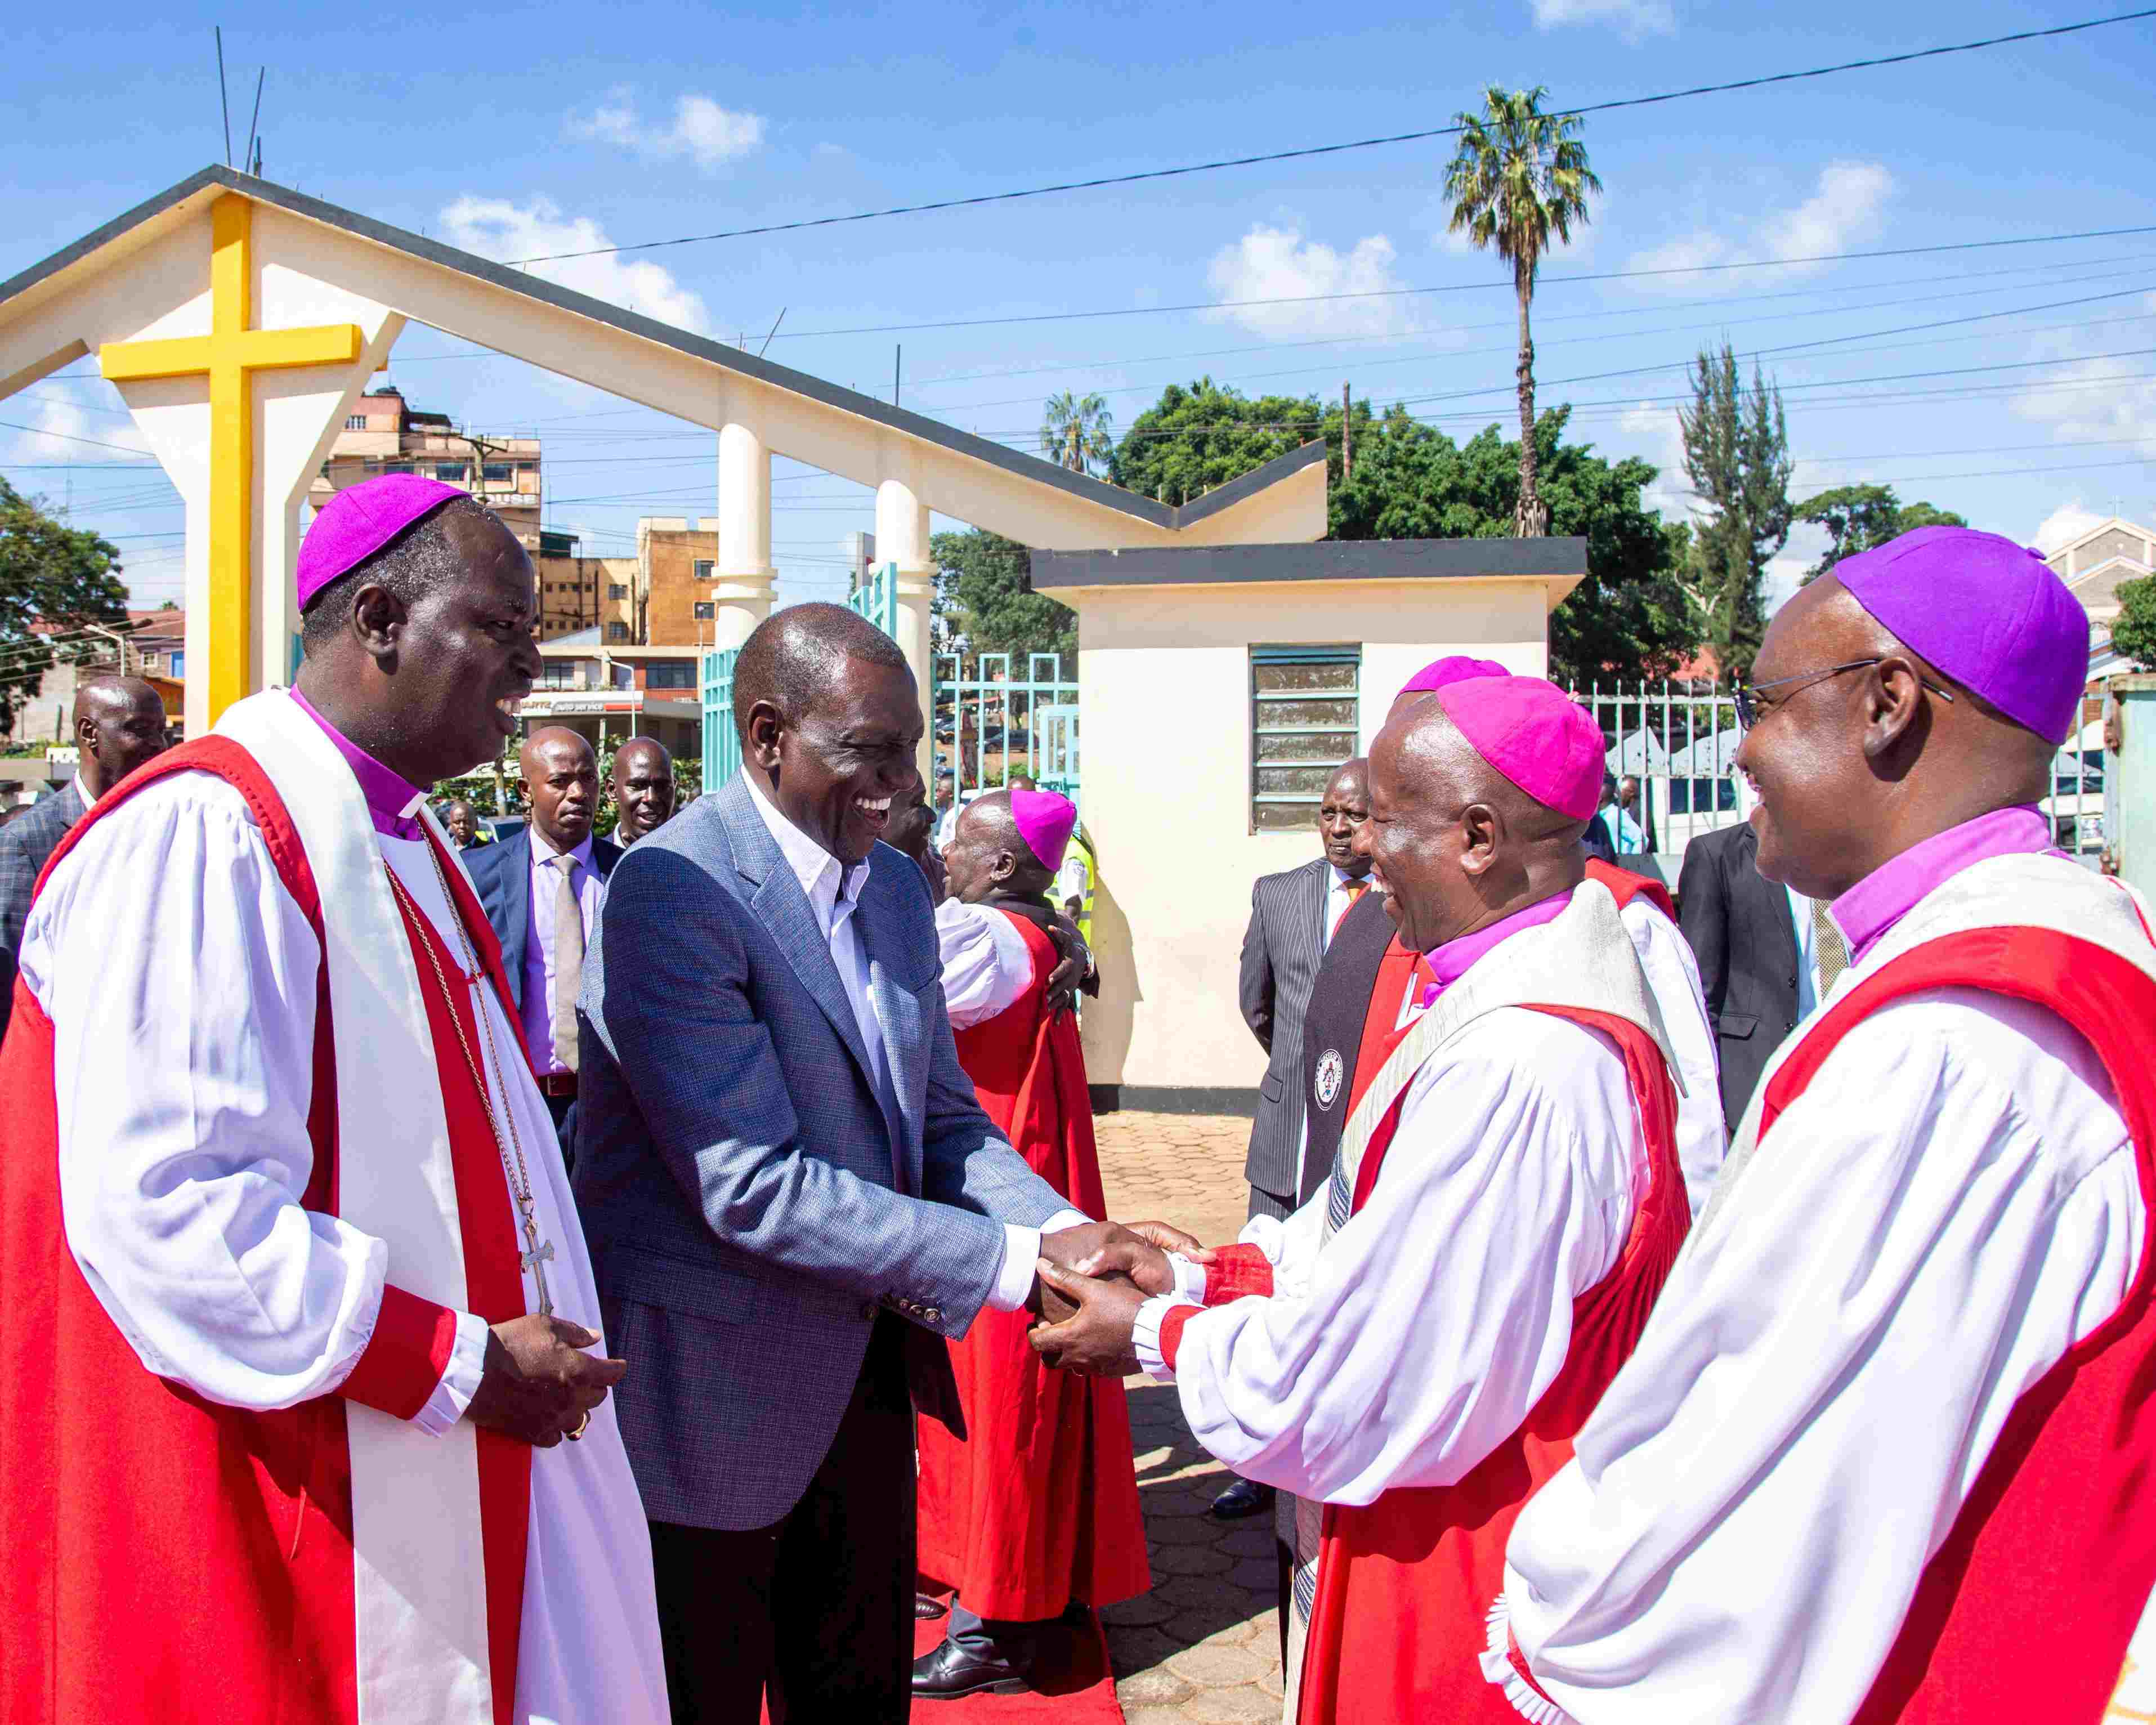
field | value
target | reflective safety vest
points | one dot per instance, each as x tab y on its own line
1084	851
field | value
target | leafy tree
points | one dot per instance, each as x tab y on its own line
1076	431
1737	456
2133	630
1629	619
1520	178
1203	435
50	573
1858	517
982	588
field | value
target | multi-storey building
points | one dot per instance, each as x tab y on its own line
384	434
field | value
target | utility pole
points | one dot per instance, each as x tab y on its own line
1347	439
897	356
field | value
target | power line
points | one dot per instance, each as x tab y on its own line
1313	149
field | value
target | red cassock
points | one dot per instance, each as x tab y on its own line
1037	1505
162	1557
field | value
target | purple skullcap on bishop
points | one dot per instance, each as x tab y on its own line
1044	821
1536	735
1989	612
362	519
1443	673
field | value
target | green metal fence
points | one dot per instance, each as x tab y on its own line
722	747
993	722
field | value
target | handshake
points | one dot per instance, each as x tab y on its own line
1089	1285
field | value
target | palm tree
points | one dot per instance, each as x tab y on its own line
1520	176
1073	431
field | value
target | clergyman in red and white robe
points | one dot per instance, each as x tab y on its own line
1411	1352
1037	1507
255	1223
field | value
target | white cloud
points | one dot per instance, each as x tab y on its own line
2064	525
1653	433
1847	207
1271	263
709	135
495	228
1635	20
2109	401
75	432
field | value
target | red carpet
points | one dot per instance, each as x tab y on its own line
1072	1685
1071	1682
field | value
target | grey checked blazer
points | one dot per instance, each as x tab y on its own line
27	843
751	1198
1281	949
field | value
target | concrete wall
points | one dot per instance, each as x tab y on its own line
1165	726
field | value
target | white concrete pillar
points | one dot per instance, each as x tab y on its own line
901	531
743	592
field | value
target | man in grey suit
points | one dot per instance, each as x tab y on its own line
1292	916
119	724
790	1194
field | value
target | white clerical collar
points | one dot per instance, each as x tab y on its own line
819	873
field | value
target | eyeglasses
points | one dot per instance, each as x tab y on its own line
1746	695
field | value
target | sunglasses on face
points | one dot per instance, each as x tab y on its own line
1750	707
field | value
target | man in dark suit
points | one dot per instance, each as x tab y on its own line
1292	918
1743	932
541	889
119	724
791	1195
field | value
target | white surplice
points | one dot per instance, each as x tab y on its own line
180	976
1426	1329
1948	1206
987	964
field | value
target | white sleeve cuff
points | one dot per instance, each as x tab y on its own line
1497	1668
1014	1281
1189	1279
1066	1219
1268	1234
1145	1336
460	1380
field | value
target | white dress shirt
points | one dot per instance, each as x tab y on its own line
835	895
1808	971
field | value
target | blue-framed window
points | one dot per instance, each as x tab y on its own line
1305	719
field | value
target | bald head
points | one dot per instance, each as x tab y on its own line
559	777
794	656
987	857
119	724
1860	748
1457	845
460	820
642	783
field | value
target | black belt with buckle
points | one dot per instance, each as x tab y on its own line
558	1084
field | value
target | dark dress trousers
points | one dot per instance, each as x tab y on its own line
1280	949
1738	922
1333	1032
27	843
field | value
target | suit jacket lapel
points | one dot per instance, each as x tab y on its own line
783	909
516	906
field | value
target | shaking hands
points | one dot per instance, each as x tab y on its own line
1091	1282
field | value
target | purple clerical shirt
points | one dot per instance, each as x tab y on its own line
539	941
1453	960
392	801
1891	890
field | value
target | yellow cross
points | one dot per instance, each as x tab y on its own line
227	355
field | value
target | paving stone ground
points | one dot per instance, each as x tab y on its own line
1203	1645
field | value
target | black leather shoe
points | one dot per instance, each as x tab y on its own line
1242	1500
948	1672
926	1606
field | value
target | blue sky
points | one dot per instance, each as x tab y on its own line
514	132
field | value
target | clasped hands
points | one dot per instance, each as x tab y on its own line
1092	1281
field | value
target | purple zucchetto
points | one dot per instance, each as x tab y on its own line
1989	612
362	519
1536	735
1443	673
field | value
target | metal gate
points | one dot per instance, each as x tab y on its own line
722	747
991	722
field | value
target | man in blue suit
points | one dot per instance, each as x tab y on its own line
541	889
790	1194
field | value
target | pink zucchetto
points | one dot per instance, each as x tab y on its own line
362	519
1043	821
1443	673
1536	735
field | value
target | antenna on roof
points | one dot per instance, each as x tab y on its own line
223	96
253	155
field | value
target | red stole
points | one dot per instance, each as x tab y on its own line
2057	1533
1397	1626
1038	1506
169	1557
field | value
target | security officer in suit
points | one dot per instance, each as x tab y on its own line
1758	967
1293	915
